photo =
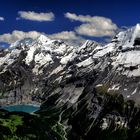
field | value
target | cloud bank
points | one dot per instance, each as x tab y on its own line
69	36
93	26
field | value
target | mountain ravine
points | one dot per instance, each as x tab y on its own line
84	89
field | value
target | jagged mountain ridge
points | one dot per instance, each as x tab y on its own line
36	60
33	70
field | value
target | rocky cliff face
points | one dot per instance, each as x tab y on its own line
32	70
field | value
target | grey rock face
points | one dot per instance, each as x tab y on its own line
33	70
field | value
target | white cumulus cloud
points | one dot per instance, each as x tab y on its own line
1	18
31	15
94	26
64	35
92	30
17	35
68	36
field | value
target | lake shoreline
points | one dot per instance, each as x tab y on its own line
28	108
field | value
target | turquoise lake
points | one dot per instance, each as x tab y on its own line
21	108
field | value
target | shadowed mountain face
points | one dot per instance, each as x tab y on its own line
32	70
79	84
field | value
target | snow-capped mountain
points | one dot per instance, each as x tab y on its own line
31	70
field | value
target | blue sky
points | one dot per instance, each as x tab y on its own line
69	16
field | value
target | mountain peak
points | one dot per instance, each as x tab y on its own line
136	32
138	25
43	38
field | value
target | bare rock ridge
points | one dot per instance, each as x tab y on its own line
33	70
